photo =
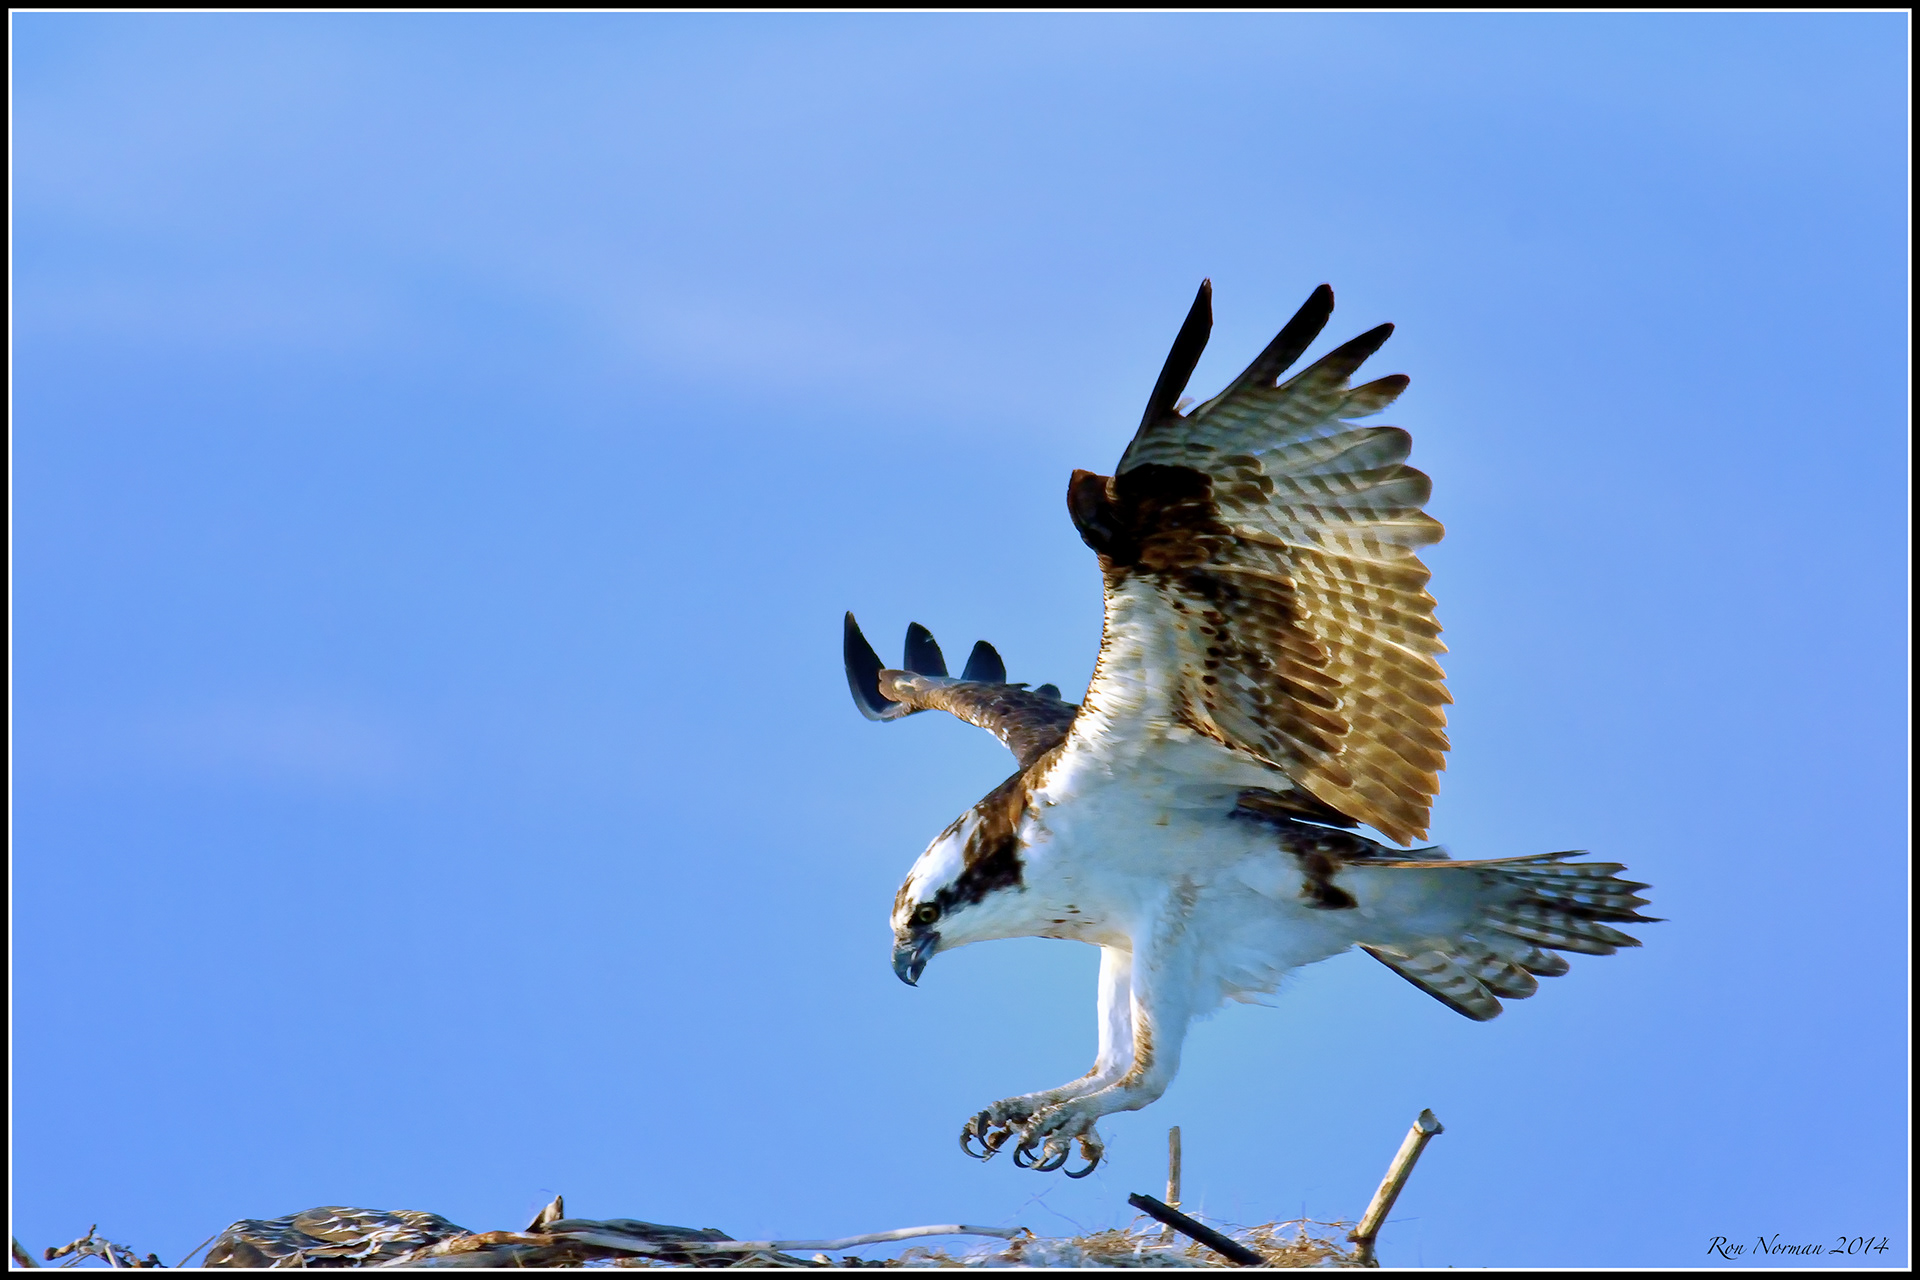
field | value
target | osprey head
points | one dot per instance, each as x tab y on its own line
966	887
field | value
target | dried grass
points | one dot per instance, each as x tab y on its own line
1301	1242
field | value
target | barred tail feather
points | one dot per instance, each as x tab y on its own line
1527	905
1442	977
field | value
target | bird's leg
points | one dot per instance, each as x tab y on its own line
1161	1008
999	1122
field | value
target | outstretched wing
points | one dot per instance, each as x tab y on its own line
1262	582
1031	722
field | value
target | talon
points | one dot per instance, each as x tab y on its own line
1052	1162
1090	1151
1023	1155
978	1128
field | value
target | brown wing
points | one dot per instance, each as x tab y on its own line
1031	722
1271	543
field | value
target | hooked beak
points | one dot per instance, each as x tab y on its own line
911	956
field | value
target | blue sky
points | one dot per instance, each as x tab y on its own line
444	446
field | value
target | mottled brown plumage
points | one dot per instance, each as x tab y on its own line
330	1236
1283	538
1029	723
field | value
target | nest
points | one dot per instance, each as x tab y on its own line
1302	1242
337	1236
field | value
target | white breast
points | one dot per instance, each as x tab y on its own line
1125	852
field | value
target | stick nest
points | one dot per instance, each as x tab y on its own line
336	1236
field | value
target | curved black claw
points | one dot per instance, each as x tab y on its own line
1091	1155
978	1128
1036	1158
1049	1163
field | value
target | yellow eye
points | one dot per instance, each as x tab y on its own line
926	913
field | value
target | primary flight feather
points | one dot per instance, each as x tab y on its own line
1267	681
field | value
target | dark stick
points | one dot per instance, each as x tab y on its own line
1227	1247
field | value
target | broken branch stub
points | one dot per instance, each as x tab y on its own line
1425	1128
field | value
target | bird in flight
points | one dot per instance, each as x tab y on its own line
1266	684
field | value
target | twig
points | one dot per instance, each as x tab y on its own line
82	1243
197	1248
88	1247
1226	1246
1173	1175
1362	1236
21	1256
1173	1166
65	1249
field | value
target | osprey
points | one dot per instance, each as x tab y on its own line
1266	684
